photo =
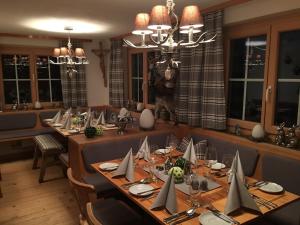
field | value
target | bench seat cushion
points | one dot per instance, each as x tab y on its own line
248	156
16	121
47	142
6	135
101	184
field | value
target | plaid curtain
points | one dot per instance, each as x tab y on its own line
200	86
118	77
73	89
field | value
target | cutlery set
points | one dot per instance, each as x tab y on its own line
181	216
221	215
268	204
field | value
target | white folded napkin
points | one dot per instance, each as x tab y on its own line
236	167
239	197
67	123
126	167
88	122
57	117
167	196
144	151
190	154
101	119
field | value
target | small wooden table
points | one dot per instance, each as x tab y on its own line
217	196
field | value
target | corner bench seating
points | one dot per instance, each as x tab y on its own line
248	156
111	150
284	171
20	125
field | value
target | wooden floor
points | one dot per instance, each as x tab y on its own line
26	202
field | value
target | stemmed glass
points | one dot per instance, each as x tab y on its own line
211	157
227	160
195	189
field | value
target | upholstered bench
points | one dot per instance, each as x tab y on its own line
46	115
49	147
248	156
284	171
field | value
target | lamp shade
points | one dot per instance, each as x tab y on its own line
141	24
56	52
63	51
191	17
159	18
79	52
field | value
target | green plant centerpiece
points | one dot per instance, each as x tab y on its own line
99	131
90	132
184	165
177	173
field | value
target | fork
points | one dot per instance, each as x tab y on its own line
221	215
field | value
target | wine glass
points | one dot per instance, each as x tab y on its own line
210	157
227	160
195	190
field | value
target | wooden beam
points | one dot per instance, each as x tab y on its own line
224	5
41	37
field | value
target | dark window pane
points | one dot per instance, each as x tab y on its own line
235	100
8	67
237	58
56	90
152	73
55	71
256	56
134	65
140	55
287	103
140	90
289	57
10	92
23	67
135	90
25	91
42	67
44	91
253	101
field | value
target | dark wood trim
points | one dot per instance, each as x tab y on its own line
41	37
223	5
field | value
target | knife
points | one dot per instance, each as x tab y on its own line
185	219
143	192
174	216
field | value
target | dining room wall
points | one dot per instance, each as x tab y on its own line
258	8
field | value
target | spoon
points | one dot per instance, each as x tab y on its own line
176	216
146	180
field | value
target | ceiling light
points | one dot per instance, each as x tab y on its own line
58	25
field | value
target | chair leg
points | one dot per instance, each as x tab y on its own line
43	168
35	157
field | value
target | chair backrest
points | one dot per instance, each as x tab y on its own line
82	192
91	218
17	121
282	170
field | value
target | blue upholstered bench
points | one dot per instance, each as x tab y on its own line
284	171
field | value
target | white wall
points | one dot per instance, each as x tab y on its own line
258	8
97	93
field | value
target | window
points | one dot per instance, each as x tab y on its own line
49	81
26	76
263	73
137	77
246	78
16	79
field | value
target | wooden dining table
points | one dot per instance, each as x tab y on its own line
216	197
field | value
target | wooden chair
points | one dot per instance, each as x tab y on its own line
101	212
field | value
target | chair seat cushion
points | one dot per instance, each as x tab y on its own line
47	142
288	215
101	184
23	133
115	212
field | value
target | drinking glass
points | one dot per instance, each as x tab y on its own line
195	190
210	158
227	160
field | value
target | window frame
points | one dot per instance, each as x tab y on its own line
32	53
270	26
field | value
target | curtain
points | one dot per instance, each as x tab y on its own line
73	89
118	78
200	93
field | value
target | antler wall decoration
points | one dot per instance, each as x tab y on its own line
102	53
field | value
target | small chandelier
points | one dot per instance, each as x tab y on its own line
67	56
158	25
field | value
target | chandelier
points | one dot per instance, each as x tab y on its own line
67	56
161	26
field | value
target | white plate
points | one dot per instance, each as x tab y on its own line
162	151
48	120
136	189
272	188
108	166
218	166
109	125
73	131
57	125
208	218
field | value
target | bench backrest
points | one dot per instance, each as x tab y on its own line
17	121
46	115
248	156
282	170
118	148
